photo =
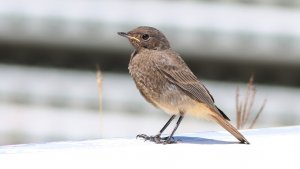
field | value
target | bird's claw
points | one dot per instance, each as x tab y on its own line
157	139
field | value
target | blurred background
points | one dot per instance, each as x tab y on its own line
49	50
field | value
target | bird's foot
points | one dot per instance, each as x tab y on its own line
157	139
168	140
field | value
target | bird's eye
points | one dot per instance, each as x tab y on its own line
145	36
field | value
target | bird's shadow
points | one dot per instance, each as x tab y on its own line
198	140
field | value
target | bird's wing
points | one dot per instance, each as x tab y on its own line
188	82
181	76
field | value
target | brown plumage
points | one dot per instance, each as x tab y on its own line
164	80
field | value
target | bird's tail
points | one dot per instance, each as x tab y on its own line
226	125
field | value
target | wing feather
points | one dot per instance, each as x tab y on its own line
181	76
188	83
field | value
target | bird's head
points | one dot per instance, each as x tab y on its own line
146	37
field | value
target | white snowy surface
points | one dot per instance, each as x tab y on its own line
269	148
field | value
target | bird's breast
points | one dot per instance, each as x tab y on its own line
154	87
146	77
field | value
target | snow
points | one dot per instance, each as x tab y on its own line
269	148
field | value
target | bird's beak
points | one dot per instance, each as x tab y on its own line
128	36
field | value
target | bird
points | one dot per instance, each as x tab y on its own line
166	81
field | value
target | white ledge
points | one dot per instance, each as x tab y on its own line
269	148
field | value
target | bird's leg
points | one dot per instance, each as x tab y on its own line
156	138
170	139
166	125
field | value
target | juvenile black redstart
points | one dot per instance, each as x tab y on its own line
164	79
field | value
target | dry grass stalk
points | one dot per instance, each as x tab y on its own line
258	114
100	88
99	85
238	110
244	109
